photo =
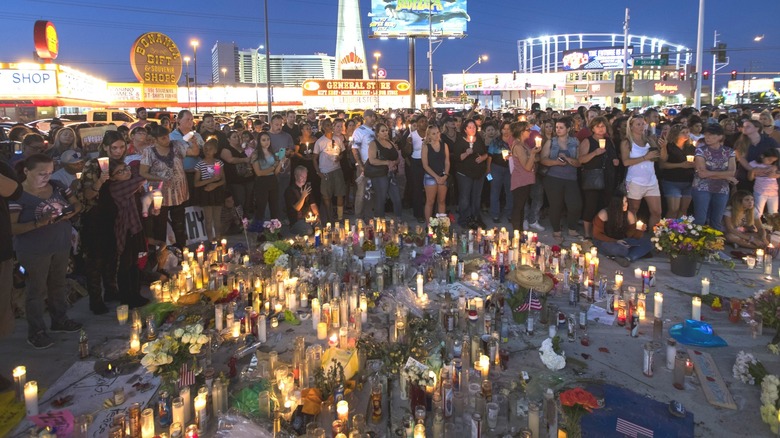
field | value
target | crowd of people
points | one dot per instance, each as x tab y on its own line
598	171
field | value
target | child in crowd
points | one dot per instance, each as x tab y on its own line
209	186
765	173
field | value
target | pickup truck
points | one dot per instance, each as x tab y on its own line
117	117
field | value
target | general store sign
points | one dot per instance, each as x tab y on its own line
326	87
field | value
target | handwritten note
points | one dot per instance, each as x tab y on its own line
60	421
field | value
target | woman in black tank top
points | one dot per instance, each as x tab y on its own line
436	164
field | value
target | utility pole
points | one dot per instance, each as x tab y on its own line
430	55
699	57
267	63
625	61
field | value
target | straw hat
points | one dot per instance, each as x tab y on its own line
532	278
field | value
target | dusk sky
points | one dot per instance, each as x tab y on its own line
95	36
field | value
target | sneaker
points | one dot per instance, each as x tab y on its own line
40	340
622	261
536	226
66	326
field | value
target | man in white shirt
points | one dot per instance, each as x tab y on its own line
327	163
361	138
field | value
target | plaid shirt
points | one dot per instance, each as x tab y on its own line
89	177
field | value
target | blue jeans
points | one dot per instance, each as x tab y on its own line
469	197
636	248
533	208
501	179
383	188
709	208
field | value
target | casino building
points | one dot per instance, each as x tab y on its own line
569	70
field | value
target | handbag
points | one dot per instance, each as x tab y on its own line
593	179
244	170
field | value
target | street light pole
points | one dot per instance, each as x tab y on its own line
699	57
430	55
267	61
377	55
466	70
187	78
625	60
195	44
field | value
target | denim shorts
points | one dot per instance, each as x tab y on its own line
676	189
429	180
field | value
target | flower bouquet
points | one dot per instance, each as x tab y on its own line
166	354
686	242
748	369
439	227
274	250
769	402
552	355
767	303
575	403
271	230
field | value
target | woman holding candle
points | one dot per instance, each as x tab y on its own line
715	168
209	186
597	152
42	240
617	234
498	166
266	167
97	225
523	171
677	169
436	163
471	156
414	147
639	152
163	164
383	157
239	177
742	222
304	156
559	154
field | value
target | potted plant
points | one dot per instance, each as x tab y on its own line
686	243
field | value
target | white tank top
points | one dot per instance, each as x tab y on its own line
644	172
417	143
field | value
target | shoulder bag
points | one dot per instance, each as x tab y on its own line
593	179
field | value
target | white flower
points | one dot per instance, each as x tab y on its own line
550	358
178	332
195	348
185	339
203	339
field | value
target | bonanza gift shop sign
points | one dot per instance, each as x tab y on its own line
156	59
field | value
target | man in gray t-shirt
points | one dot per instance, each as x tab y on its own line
281	141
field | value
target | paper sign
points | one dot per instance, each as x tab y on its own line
59	421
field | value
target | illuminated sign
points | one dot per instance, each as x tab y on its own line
156	59
47	45
161	94
664	87
77	85
409	18
125	92
326	87
604	58
23	82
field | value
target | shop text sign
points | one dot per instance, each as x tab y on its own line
156	59
326	87
27	82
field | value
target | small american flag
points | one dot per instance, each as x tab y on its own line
633	430
186	376
533	302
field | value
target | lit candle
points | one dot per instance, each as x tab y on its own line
343	337
31	397
278	308
638	273
192	431
333	341
705	286
200	411
184	393
658	305
419	431
135	343
619	279
651	278
689	158
322	331
474	276
147	423
538	142
157	199
602	143
342	411
484	366
236	329
696	308
363	308
103	163
78	175
420	281
261	328
177	410
315	313
639	225
20	378
121	313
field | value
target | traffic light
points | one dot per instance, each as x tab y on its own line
733	75
682	75
705	76
665	76
619	83
721	52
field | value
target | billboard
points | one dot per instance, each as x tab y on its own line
409	18
329	87
600	58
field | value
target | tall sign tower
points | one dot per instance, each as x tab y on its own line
350	52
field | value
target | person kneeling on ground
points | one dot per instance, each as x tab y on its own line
743	222
301	209
615	233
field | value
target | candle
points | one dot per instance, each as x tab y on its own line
419	431
78	175
192	431
474	276
20	378
103	163
157	200
135	343
278	308
658	307
705	286
602	143
333	340
121	313
343	337
261	328
236	329
31	397
315	312
184	393
363	308
638	273
342	411
217	168
322	331
538	141
177	409
619	279
696	308
651	278
689	158
200	411
147	423
484	366
420	282
640	225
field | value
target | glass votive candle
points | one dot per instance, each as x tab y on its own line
121	313
751	262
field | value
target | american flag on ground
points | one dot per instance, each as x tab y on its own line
186	376
633	430
533	302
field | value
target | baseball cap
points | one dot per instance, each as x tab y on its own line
71	156
713	128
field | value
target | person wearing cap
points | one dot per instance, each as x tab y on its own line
715	166
140	112
72	162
